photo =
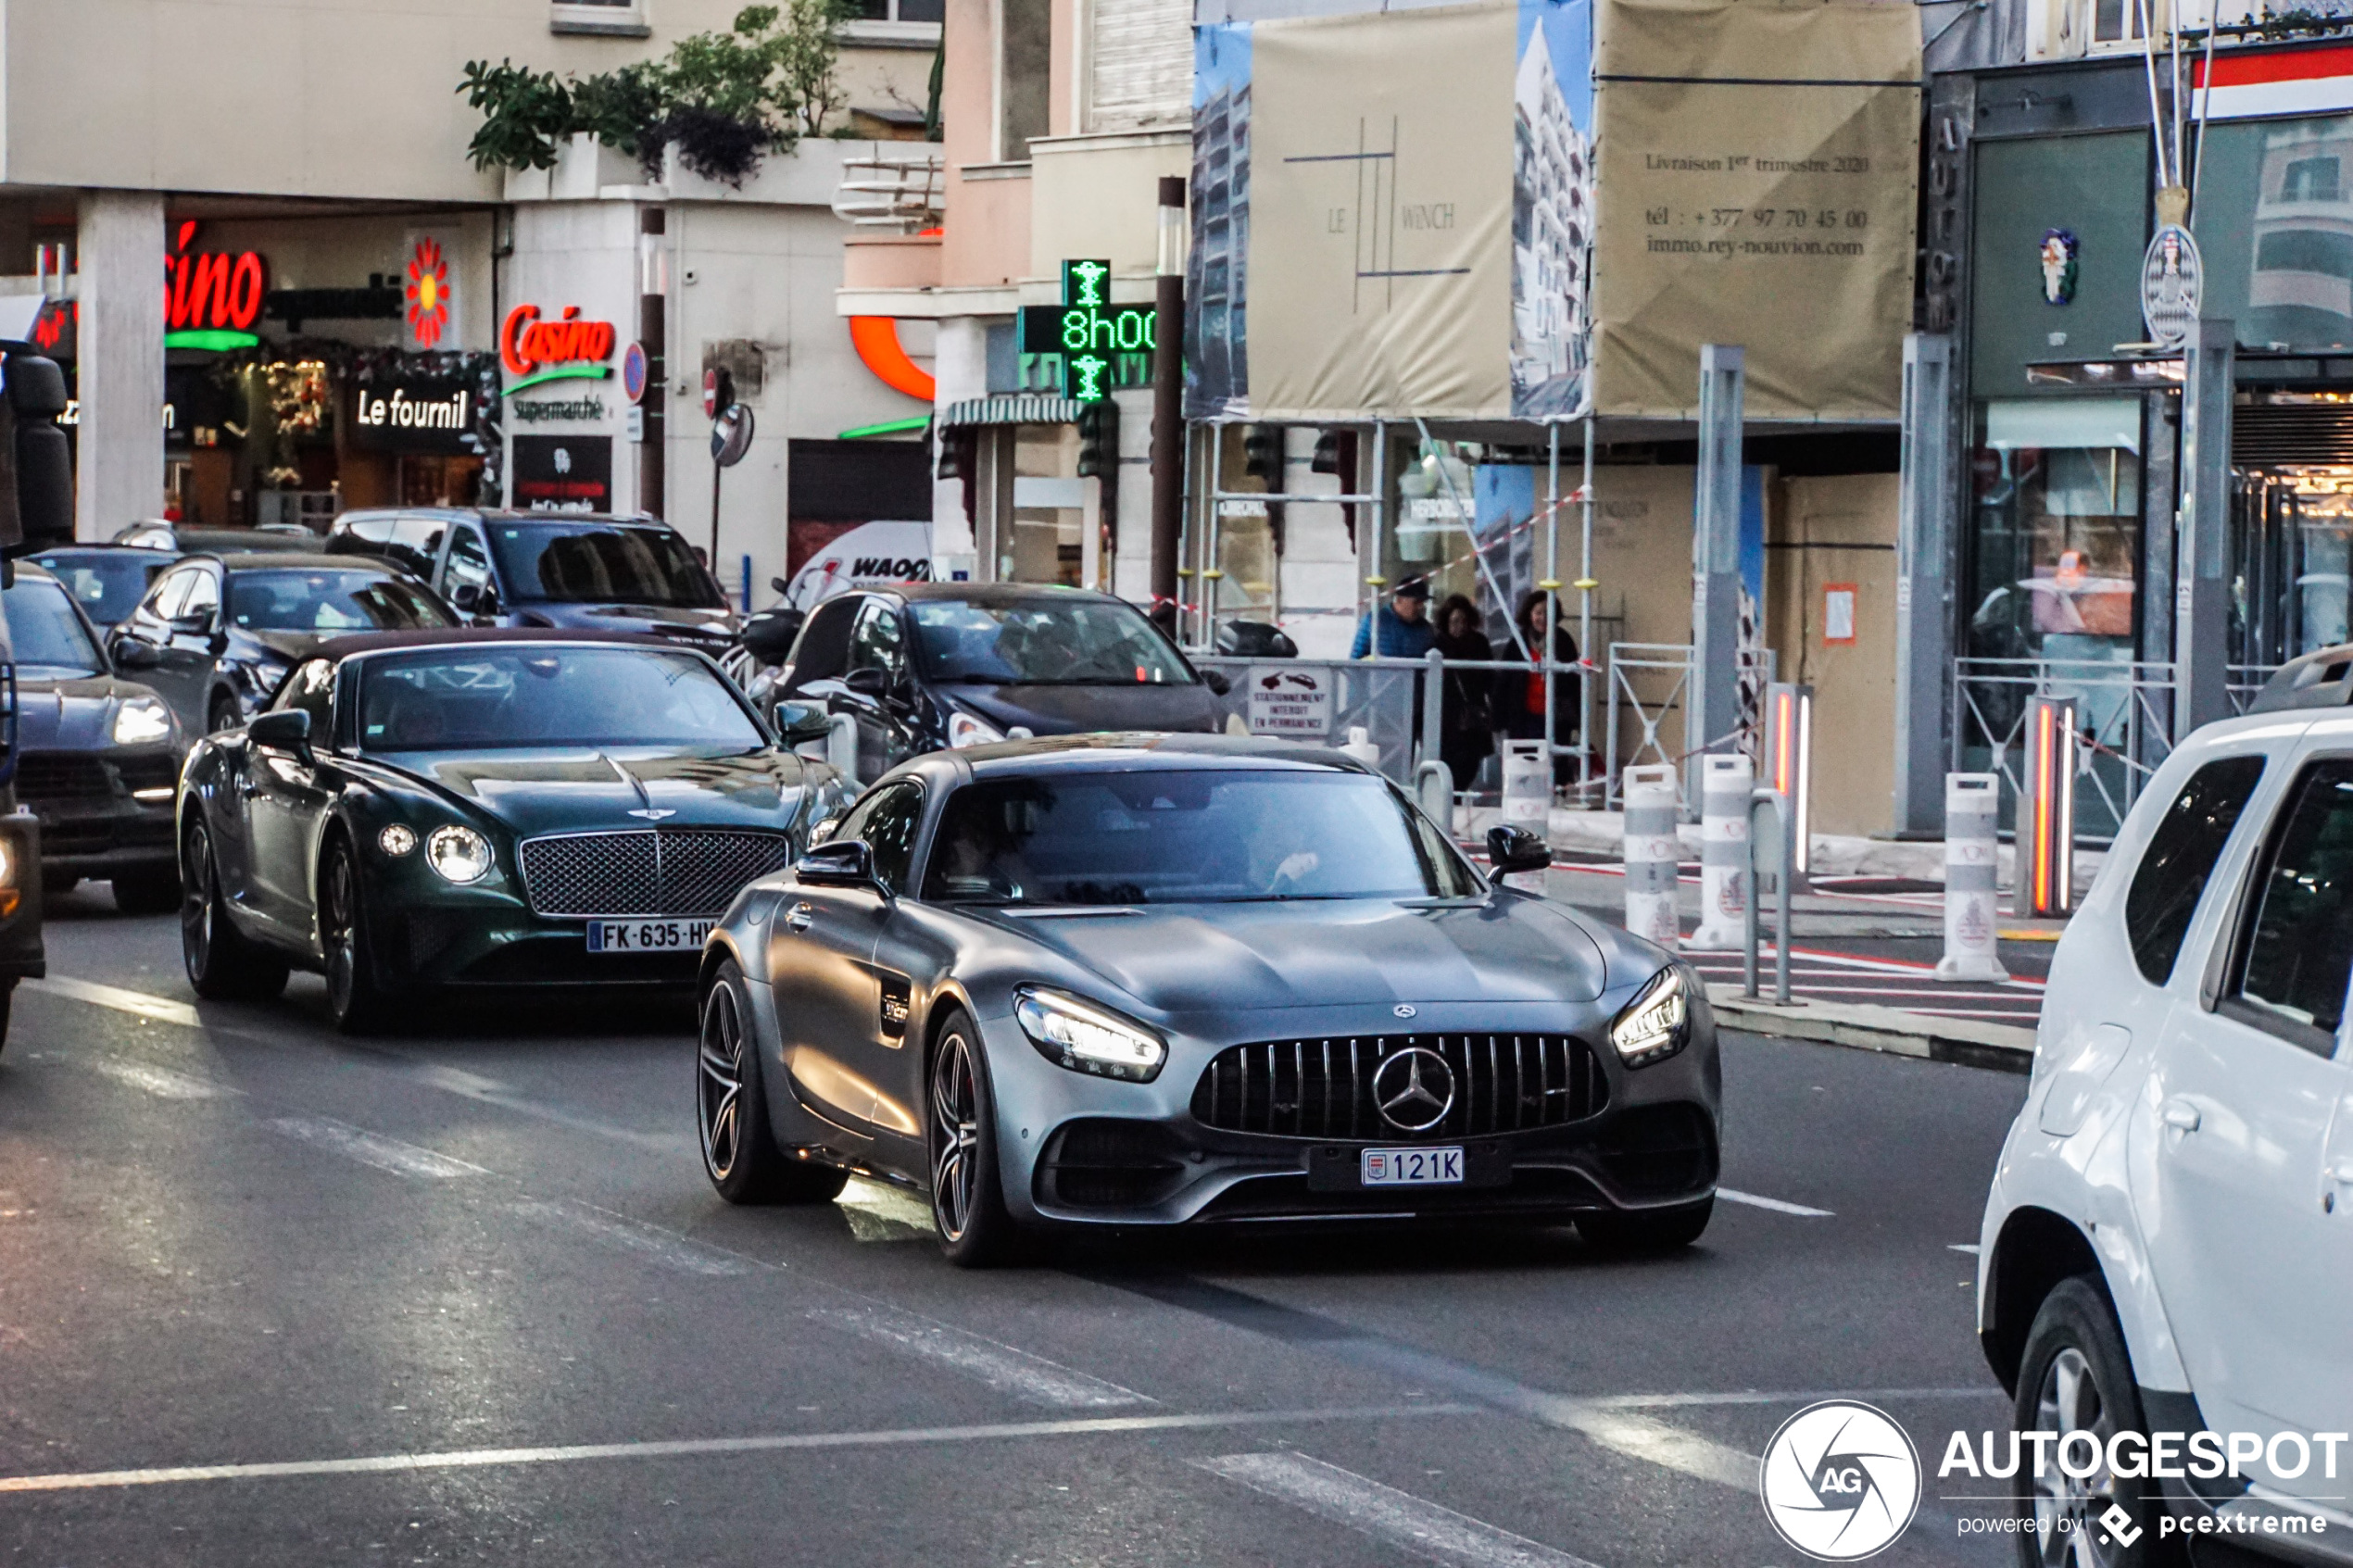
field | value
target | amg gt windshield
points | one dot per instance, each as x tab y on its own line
1190	837
1073	642
602	563
328	599
518	698
45	634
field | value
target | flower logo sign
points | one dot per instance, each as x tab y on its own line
428	293
2060	255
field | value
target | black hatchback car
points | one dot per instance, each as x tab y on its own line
928	666
581	571
217	634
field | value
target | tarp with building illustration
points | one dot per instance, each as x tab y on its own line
1409	212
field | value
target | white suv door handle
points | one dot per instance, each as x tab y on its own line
2181	1115
799	918
2342	1173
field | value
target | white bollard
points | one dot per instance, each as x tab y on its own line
1528	786
1972	804
1652	851
1725	783
1360	746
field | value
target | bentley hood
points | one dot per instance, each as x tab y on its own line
571	790
75	714
1077	710
1318	953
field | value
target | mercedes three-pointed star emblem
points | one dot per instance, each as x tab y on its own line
1414	1089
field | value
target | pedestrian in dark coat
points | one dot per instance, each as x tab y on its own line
1467	721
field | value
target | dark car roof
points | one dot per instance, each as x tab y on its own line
641	519
462	636
292	560
107	548
215	541
992	592
1109	752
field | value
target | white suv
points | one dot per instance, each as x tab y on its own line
2168	1247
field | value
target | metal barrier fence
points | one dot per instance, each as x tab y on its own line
2125	711
1400	703
1630	661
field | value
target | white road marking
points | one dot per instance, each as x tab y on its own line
1968	1247
876	1212
375	1148
1026	1377
161	1081
1777	1206
159	1008
645	1241
489	1091
474	1459
1401	1519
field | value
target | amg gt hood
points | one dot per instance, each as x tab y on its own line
573	790
1062	710
1317	953
71	714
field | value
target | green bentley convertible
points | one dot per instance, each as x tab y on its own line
415	811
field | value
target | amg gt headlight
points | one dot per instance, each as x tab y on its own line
1086	1038
141	720
458	855
1657	1022
964	730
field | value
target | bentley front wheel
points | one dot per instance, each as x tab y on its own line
223	963
354	999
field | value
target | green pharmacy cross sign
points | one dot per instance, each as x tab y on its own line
1088	331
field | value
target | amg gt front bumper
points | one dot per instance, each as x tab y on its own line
1077	1149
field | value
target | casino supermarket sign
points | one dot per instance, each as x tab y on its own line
535	350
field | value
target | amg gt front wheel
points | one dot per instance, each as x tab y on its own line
223	963
967	1198
740	1152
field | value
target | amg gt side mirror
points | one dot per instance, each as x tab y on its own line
287	730
845	862
1515	849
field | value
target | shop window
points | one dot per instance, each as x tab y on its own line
932	11
2055	529
622	19
2276	226
2325	251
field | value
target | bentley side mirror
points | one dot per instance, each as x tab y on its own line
287	729
1515	849
845	862
799	722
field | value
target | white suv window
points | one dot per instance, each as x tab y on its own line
2180	858
2294	958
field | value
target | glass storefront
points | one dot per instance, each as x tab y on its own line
2275	227
2055	531
2291	563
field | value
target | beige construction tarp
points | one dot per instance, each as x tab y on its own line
1380	214
1757	185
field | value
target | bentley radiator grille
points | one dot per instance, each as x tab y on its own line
665	871
1440	1087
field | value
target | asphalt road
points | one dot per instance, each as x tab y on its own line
270	1297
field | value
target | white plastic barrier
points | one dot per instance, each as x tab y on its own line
1972	802
1360	746
1528	785
1725	782
1652	851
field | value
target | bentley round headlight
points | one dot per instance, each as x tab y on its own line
458	855
398	840
1087	1038
141	720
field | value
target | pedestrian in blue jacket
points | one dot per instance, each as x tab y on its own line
1403	628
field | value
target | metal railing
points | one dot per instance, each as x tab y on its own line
2125	709
902	190
1759	669
2245	683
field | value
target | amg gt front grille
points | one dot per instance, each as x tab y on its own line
1326	1088
665	871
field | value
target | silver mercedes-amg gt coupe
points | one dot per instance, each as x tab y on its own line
1152	980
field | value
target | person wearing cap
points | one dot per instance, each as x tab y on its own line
1399	629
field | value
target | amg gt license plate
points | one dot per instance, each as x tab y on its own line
648	935
1412	1167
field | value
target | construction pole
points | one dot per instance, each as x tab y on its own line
1712	692
1585	586
1168	400
1551	587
